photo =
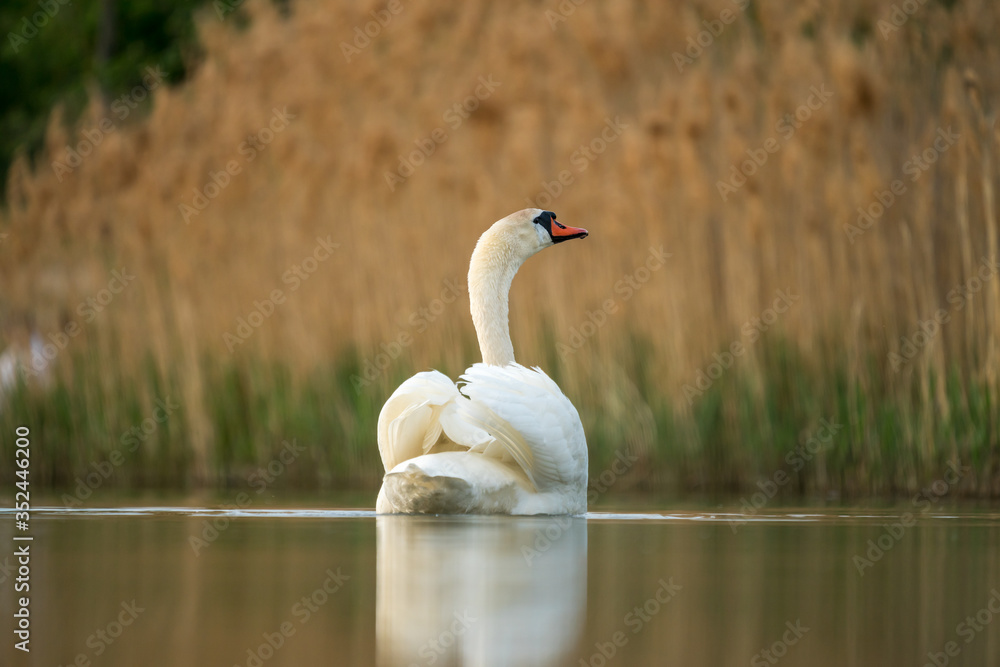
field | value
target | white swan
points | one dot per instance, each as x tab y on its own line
508	442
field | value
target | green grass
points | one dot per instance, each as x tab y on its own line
739	432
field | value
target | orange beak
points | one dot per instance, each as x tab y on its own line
562	232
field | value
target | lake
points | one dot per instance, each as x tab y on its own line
189	582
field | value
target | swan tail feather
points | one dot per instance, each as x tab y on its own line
501	442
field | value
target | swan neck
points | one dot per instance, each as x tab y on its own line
491	273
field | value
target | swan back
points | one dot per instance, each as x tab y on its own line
509	442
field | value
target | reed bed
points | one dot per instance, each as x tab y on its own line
745	155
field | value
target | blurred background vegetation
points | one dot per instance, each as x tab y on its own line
282	124
64	53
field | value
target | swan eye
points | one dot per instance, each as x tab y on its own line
547	219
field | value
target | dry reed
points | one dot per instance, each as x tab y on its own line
785	228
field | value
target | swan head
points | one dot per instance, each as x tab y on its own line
499	253
531	230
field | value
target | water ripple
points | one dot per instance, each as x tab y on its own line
794	517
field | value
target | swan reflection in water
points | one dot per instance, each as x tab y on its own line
477	590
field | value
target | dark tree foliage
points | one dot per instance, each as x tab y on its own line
62	51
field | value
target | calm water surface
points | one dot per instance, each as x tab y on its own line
173	584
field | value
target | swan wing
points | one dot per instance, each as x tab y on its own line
530	418
423	408
409	424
